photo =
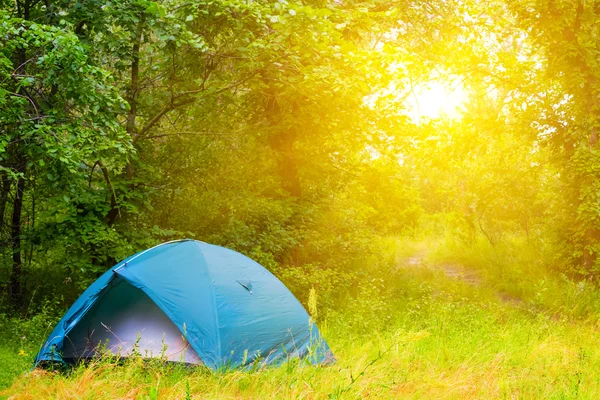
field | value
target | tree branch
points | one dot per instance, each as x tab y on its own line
172	105
185	133
114	209
158	117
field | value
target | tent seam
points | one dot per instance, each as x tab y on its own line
156	299
124	263
214	301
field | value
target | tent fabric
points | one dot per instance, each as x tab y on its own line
228	308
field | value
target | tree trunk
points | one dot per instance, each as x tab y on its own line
15	277
16	289
133	92
287	165
114	212
4	191
592	234
282	143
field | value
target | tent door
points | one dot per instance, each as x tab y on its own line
126	321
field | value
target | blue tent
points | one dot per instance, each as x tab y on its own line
188	301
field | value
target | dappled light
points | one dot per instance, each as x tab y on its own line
419	180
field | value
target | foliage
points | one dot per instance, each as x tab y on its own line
244	125
310	135
57	127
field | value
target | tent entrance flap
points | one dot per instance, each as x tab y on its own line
126	321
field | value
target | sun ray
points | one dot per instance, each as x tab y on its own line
436	100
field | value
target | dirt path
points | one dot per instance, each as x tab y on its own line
452	271
455	272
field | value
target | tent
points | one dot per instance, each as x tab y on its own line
191	302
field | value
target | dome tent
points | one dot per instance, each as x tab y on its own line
187	301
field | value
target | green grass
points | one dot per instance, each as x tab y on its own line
11	363
519	270
435	336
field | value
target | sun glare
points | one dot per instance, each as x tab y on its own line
436	100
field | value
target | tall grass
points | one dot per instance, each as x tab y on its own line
522	271
439	337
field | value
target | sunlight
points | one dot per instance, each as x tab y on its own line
436	100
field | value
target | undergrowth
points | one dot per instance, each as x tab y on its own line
424	334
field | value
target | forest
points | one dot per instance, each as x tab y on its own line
424	176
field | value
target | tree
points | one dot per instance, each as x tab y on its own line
565	37
56	127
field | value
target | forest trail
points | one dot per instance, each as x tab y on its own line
456	272
452	271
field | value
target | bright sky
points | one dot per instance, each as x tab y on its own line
435	100
427	101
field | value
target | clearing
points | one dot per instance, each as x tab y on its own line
452	332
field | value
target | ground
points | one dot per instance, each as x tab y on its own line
455	332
